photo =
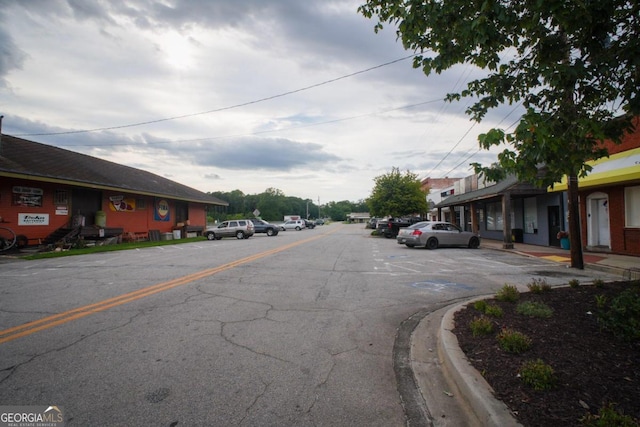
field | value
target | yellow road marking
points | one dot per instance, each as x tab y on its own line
29	328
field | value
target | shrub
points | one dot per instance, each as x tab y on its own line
493	310
534	309
608	416
598	283
513	341
538	286
508	293
574	283
480	305
623	315
481	326
537	374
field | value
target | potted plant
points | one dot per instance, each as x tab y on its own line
563	236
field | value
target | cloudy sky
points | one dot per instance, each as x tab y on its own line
219	95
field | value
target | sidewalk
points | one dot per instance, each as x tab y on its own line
455	393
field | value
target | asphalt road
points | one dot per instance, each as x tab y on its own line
296	329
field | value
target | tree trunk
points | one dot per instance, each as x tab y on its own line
575	235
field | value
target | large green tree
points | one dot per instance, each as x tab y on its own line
572	64
397	194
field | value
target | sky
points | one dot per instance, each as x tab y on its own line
223	95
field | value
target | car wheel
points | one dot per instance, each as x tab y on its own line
210	236
298	228
270	231
474	243
432	243
239	235
410	245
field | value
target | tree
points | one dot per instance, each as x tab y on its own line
397	194
573	64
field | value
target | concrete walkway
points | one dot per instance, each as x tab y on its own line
455	393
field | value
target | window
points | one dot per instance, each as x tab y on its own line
632	206
530	215
495	221
61	197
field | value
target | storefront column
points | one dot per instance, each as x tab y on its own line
506	221
474	218
452	211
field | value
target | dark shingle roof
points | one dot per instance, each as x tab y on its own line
509	185
33	160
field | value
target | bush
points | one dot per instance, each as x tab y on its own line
493	310
513	341
480	305
534	309
574	283
538	375
623	315
608	416
481	326
508	293
538	286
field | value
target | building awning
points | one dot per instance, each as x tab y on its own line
615	169
510	185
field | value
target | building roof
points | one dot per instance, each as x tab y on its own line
508	185
20	158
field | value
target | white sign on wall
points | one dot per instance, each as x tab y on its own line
33	219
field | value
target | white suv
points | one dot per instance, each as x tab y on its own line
294	224
241	229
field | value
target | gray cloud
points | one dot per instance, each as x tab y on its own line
260	153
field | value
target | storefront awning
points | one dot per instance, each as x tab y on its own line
617	168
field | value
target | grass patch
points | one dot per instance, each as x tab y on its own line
534	309
111	248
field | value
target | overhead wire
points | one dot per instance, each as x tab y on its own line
217	110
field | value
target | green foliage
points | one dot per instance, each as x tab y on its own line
481	305
489	309
622	317
608	416
601	301
480	326
513	341
397	194
537	374
574	283
508	293
534	309
572	65
273	205
538	286
598	283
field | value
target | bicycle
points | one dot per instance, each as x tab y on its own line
7	239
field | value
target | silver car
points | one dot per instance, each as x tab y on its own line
240	229
433	234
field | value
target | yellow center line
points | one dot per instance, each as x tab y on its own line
29	328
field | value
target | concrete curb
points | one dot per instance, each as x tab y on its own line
477	393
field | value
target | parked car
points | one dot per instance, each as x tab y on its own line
240	229
309	224
294	224
434	234
262	226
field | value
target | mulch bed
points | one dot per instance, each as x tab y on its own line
592	366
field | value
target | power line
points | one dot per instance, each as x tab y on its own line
217	110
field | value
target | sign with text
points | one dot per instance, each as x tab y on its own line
33	219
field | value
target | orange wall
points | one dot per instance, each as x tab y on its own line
132	213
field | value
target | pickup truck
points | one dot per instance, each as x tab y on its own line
262	226
390	228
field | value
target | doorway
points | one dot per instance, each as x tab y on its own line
86	203
598	232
